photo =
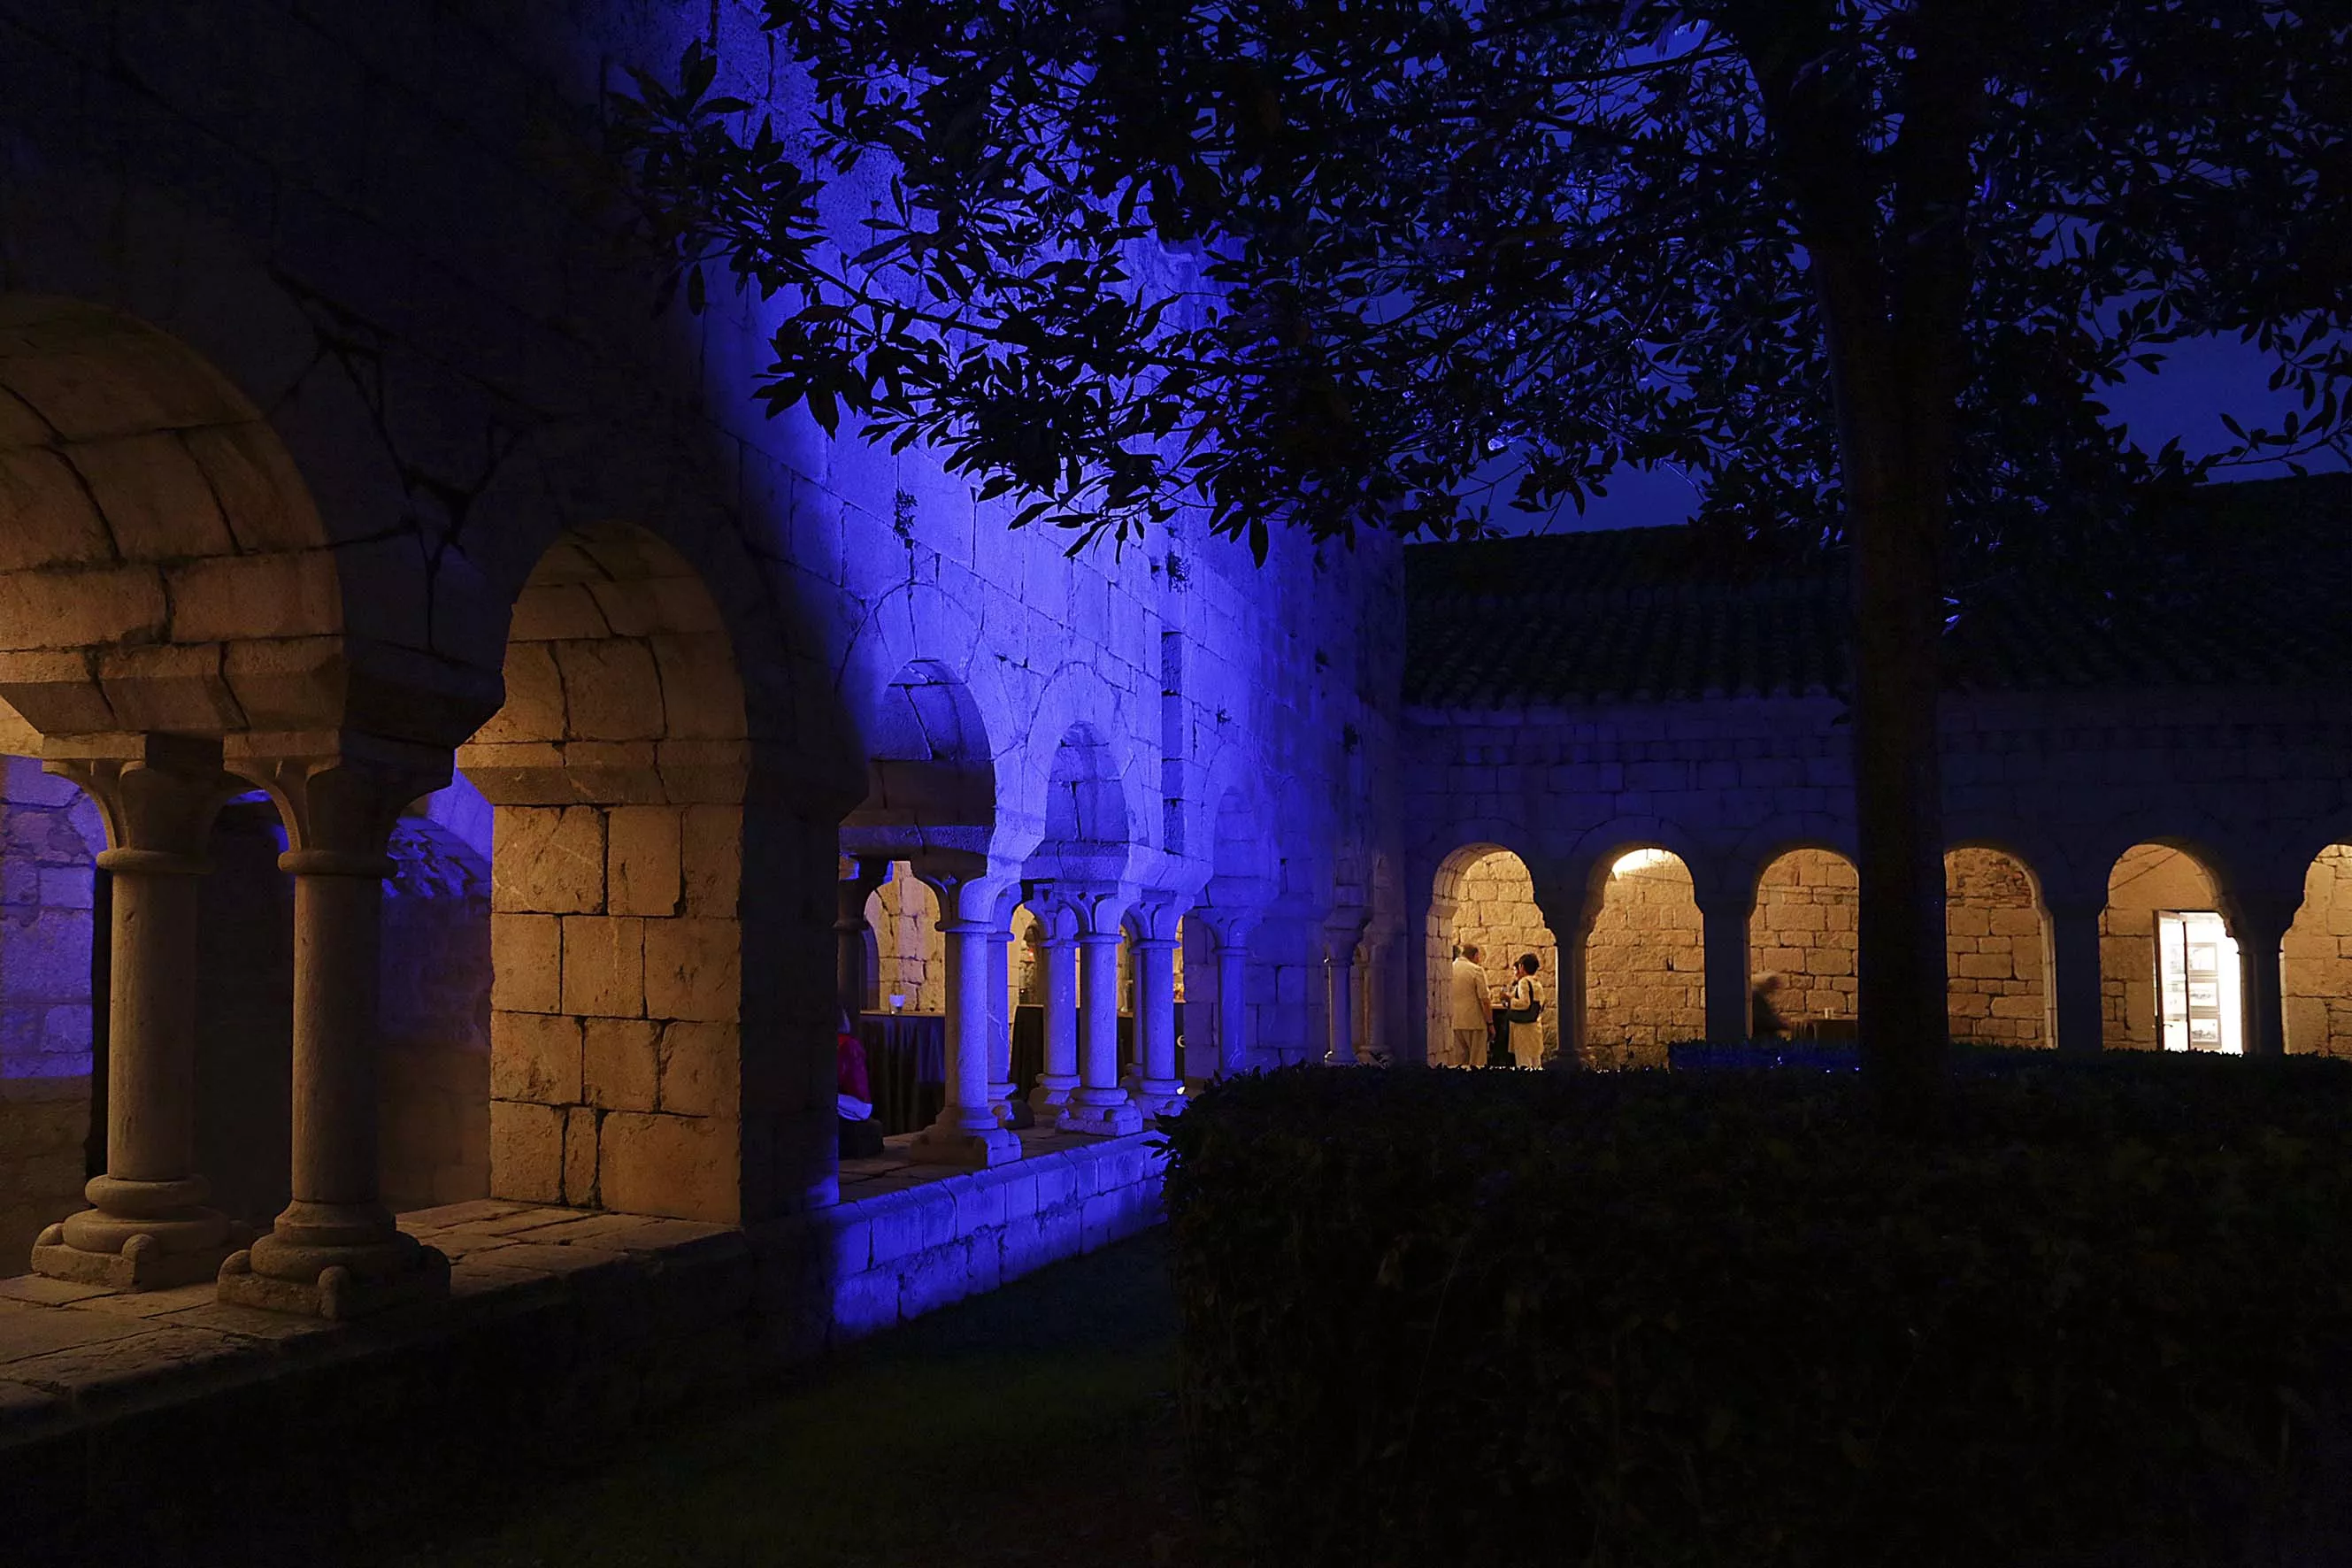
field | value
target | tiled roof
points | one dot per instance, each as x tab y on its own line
2259	593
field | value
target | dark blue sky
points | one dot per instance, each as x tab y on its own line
2199	382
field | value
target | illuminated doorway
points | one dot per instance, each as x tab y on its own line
2197	983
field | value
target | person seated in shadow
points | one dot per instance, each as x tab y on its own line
860	1134
1764	1020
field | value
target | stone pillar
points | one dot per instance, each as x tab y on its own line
1098	1104
849	932
335	1251
1723	922
2259	923
2074	978
1161	1083
148	1228
1058	951
1233	998
1339	992
968	1131
1000	1021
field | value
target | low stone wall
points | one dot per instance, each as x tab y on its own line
44	1122
131	1429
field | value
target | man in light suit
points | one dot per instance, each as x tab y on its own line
1473	1011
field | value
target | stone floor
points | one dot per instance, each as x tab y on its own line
73	1354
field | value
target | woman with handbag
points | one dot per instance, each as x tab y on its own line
1525	1009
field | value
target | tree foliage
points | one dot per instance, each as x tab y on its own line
1392	264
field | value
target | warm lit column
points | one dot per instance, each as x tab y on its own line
2259	923
968	1131
1099	1104
1058	951
849	934
1160	1086
2074	975
148	1228
1233	998
1723	934
1340	976
335	1251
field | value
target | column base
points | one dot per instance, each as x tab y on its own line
144	1262
1052	1091
1114	1120
338	1283
1155	1096
1014	1112
974	1147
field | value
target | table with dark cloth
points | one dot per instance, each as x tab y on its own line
906	1067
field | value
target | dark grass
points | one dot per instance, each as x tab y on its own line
1035	1425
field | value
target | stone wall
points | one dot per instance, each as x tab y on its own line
2315	963
435	1019
44	1122
1803	931
1645	976
913	954
49	833
1996	952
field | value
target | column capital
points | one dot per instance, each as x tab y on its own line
340	797
157	795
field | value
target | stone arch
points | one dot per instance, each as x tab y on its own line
1088	829
1484	894
166	568
1077	708
2146	879
930	768
1803	928
628	877
1599	848
915	631
910	952
1645	957
2315	959
1997	949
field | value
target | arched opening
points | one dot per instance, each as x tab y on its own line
1484	899
617	768
910	955
1997	950
52	1003
1800	942
2170	973
434	1009
2316	959
1646	961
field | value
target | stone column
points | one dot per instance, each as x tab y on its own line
967	1132
2074	977
1099	1105
1339	992
1233	998
148	1228
1058	951
335	1251
1723	933
1159	1082
2260	921
849	932
999	1023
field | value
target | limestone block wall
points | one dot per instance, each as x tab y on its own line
1803	930
1645	972
1996	952
49	833
905	915
2316	959
43	1124
2147	878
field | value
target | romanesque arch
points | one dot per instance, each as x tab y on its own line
1803	931
2170	973
2316	959
1644	959
1997	950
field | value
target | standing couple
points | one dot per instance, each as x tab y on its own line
1475	1013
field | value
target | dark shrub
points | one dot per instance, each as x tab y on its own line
1651	1319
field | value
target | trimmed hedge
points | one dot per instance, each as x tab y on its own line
1429	1317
